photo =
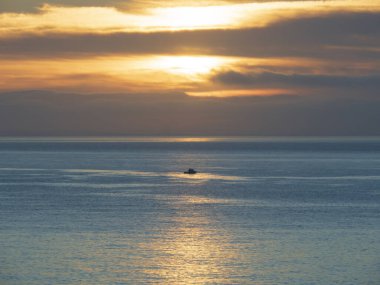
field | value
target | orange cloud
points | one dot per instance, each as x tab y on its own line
108	19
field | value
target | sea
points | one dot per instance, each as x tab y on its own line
120	210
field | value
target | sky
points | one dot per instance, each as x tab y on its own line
178	67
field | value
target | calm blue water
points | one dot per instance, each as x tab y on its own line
120	211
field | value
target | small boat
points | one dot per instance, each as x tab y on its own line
190	171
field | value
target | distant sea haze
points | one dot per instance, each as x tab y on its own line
121	210
177	114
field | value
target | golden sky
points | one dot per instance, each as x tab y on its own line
54	62
207	49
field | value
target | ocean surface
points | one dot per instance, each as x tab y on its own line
296	211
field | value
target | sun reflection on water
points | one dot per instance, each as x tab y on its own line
193	250
205	177
200	176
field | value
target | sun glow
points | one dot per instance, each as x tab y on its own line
179	18
240	93
111	73
186	65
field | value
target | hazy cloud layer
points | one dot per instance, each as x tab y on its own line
32	5
44	113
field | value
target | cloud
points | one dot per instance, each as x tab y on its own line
47	113
337	36
22	6
234	78
335	51
102	20
338	51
